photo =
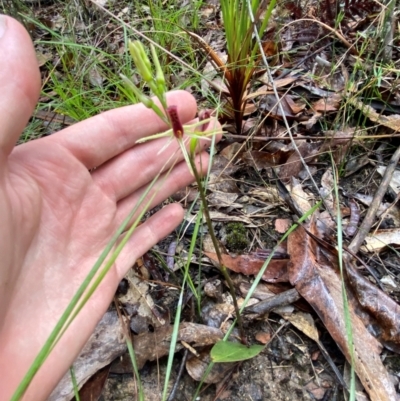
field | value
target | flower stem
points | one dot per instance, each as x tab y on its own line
222	267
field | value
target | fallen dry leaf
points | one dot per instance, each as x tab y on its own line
381	239
278	83
320	285
356	164
326	190
219	216
388	280
294	165
269	105
93	388
295	107
331	103
385	208
301	198
250	265
42	58
391	121
267	194
95	77
261	292
303	322
264	160
394	182
316	116
380	305
222	182
230	153
223	199
197	366
138	299
217	314
338	142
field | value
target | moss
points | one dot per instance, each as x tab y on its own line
393	363
236	237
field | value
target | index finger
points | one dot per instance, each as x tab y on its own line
100	138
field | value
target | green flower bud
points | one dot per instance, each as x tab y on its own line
143	54
160	79
141	60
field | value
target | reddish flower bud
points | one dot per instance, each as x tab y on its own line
177	126
204	115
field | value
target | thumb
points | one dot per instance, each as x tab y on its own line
19	82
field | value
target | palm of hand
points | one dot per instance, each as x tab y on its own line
56	216
67	221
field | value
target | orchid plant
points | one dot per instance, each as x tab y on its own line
168	113
202	129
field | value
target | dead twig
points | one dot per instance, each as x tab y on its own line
376	202
282	299
172	395
307	138
326	355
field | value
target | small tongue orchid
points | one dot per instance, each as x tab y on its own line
185	134
169	114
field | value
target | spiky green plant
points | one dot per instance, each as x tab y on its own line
243	50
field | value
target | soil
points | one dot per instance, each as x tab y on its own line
290	369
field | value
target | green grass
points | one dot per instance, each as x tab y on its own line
371	74
14	8
83	71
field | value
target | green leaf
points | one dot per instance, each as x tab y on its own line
225	351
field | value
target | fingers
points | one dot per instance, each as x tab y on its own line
147	235
99	139
167	185
19	81
138	166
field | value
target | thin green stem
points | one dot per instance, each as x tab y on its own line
74	383
222	268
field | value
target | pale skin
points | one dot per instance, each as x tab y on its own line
57	213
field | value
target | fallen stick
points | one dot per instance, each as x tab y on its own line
373	209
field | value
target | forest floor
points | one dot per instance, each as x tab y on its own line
330	146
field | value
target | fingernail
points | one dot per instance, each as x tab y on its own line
3	25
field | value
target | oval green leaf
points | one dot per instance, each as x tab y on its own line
225	351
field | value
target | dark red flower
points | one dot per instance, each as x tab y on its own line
176	124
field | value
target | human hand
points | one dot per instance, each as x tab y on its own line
61	199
